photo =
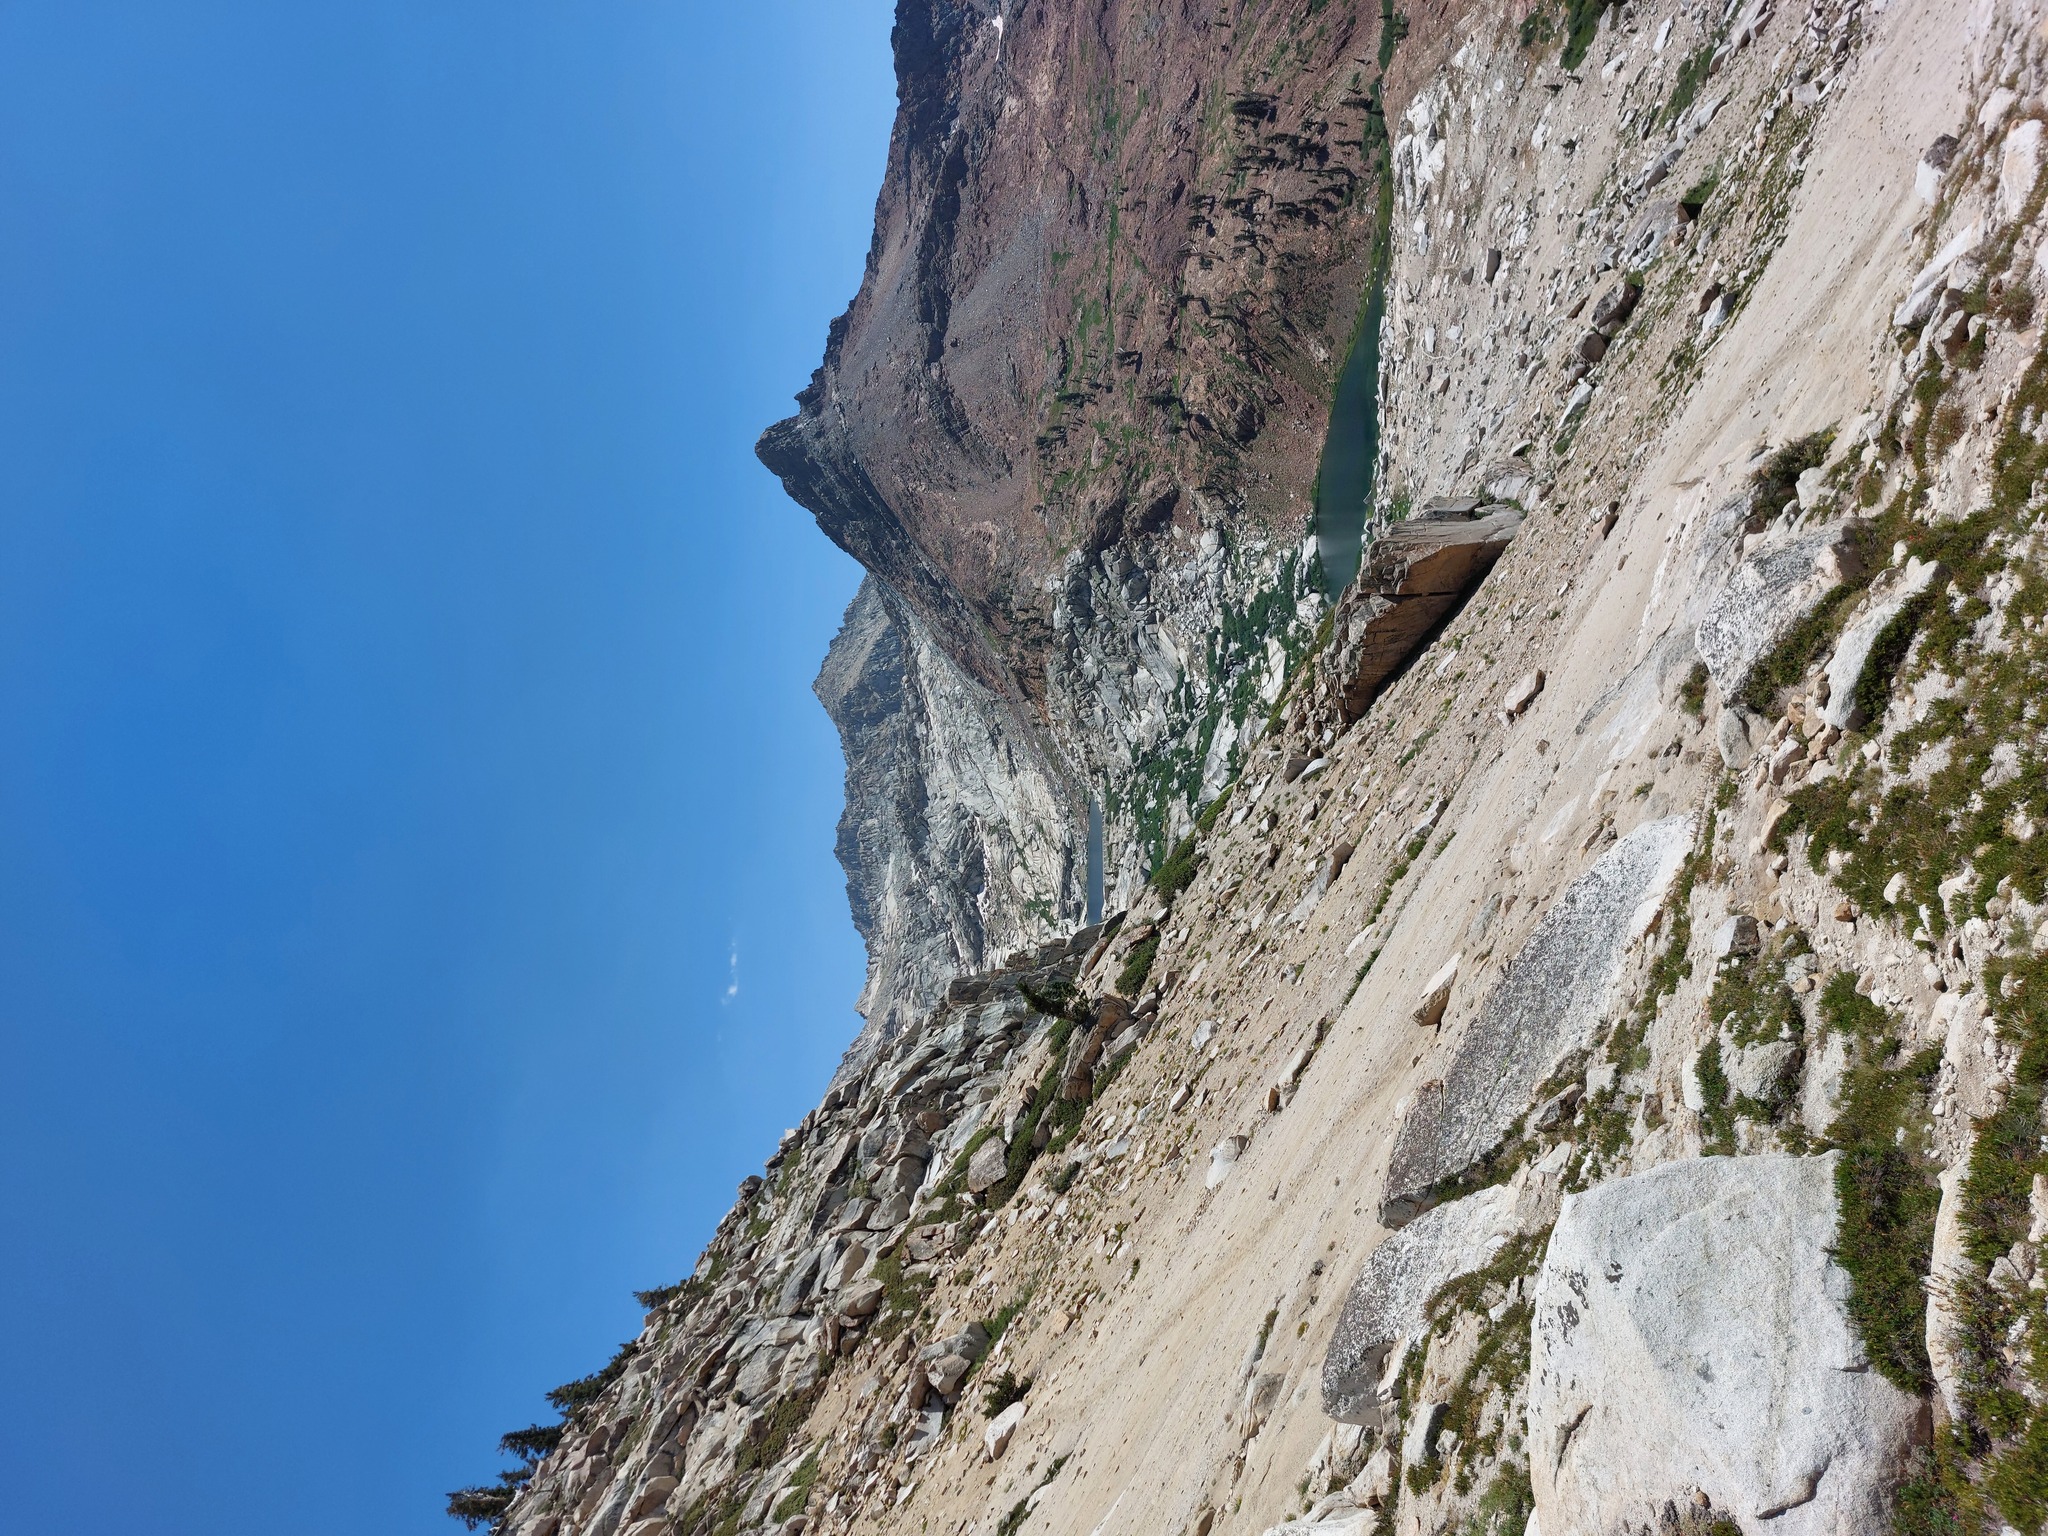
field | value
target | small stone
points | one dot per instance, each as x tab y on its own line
1419	1444
1223	1157
653	1493
849	1263
1523	694
1756	1071
1614	309
1372	1485
892	1212
2019	167
1895	888
863	1298
1732	737
947	1372
1554	1111
1737	936
1436	994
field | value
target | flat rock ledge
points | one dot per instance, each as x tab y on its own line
1544	1007
1691	1336
1385	1307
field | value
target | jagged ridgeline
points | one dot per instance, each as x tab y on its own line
1574	1056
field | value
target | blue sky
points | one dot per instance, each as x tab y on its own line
405	726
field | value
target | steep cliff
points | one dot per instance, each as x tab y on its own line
942	794
1583	1068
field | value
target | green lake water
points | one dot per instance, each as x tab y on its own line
1350	453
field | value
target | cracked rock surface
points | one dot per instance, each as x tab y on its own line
1691	1336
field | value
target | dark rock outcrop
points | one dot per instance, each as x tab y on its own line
1414	577
1177	263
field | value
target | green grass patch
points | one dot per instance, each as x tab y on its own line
1692	693
1886	1198
1692	74
1178	870
1581	26
1137	965
792	1503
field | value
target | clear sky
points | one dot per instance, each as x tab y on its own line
417	904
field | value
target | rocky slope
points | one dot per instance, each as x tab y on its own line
1583	1069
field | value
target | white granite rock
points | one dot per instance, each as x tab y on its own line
1386	1301
1691	1333
1948	1266
1223	1157
1770	592
1342	1521
995	1439
1852	651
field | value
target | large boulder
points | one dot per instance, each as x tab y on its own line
996	1437
986	1168
759	1374
1387	1300
1544	1007
1691	1334
1949	1269
1414	576
1771	591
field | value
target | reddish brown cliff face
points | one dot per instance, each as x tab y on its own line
1117	261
